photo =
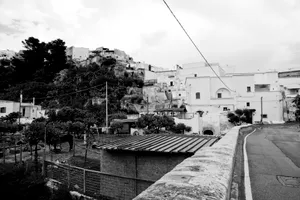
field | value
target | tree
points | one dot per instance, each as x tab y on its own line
180	128
34	134
116	126
239	116
11	117
296	101
52	135
154	123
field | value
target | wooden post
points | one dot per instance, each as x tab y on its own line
83	181
73	144
68	173
20	153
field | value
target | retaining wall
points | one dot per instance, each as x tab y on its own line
206	175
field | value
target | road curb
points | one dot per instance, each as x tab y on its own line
247	183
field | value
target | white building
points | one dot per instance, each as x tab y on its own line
77	53
245	90
29	111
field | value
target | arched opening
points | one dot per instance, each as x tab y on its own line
223	93
208	132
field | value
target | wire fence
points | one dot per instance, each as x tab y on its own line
96	184
15	153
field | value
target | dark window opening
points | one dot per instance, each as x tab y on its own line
219	95
23	113
3	110
179	94
195	75
171	83
248	89
198	95
208	132
248	103
265	116
225	108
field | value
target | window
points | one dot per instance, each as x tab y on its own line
219	95
3	110
179	94
225	108
265	116
248	104
171	83
198	95
195	75
248	89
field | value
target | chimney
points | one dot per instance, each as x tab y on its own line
33	101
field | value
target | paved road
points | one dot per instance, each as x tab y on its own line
274	151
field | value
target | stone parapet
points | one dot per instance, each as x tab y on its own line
205	175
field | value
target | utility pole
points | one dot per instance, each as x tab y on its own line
21	98
261	109
106	100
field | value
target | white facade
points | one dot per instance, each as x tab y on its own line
77	53
209	94
28	111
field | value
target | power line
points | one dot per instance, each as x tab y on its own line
69	93
196	46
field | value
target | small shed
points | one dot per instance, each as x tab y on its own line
147	158
127	125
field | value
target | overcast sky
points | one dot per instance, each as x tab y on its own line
247	34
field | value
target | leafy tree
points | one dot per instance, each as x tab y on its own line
34	134
116	126
155	122
52	135
11	117
239	116
180	128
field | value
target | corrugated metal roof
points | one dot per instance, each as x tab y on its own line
162	143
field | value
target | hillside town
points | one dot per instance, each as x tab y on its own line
268	95
116	100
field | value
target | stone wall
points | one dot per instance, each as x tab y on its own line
206	175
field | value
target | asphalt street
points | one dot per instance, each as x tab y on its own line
274	162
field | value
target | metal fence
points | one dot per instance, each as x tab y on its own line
95	183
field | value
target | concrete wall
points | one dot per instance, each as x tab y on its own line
272	106
206	175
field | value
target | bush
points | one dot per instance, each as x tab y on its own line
116	126
180	128
239	116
